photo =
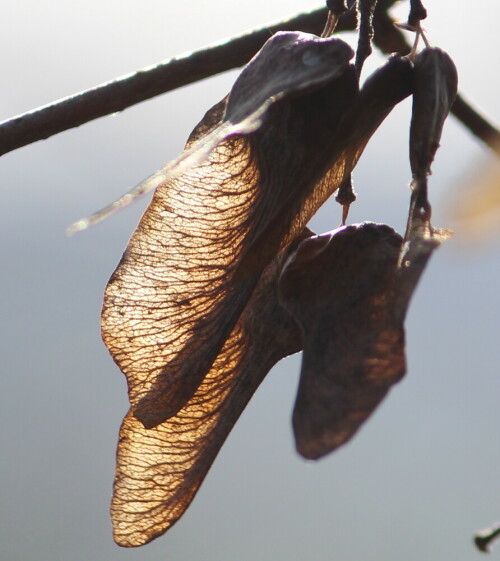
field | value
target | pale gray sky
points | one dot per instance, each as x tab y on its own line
419	477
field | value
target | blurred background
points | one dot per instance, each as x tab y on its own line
417	480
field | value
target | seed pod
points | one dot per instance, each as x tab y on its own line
417	12
349	291
340	289
346	196
382	90
288	63
435	89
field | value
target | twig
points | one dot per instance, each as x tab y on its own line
485	538
478	125
366	9
124	92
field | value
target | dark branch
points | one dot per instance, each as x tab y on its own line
121	93
478	125
366	9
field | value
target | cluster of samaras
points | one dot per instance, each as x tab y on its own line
222	279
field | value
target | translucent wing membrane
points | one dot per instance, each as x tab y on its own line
166	293
159	470
172	301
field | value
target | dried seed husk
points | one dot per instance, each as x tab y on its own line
340	289
435	89
417	12
159	470
349	291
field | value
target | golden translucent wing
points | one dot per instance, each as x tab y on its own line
173	299
164	297
159	470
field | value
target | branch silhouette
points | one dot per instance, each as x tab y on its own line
117	95
121	93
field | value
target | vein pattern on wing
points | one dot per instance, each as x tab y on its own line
159	470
